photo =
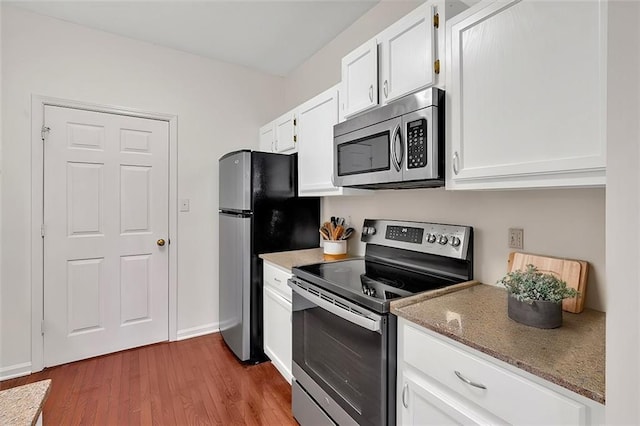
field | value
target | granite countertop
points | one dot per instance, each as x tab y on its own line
572	356
289	259
22	405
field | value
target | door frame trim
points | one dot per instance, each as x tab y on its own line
38	103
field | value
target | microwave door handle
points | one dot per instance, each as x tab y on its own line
398	148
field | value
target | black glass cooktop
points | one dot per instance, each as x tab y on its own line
369	283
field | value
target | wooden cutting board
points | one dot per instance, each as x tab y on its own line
573	272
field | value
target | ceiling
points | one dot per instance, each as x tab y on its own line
271	36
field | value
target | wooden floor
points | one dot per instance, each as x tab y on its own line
194	381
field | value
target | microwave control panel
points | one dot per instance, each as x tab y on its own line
417	144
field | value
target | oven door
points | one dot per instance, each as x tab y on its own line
369	155
341	358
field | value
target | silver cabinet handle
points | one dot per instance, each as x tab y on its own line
404	395
371	93
469	382
385	88
277	280
456	163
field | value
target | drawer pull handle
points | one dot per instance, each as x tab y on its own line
277	280
404	395
469	382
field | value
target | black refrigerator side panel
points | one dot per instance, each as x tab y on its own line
281	220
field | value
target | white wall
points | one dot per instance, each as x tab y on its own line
623	215
566	223
562	222
322	70
219	108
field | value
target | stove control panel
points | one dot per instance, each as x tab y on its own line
407	234
433	238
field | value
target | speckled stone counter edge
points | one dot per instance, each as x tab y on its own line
288	259
22	405
397	309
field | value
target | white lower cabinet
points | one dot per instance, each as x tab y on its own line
443	382
276	300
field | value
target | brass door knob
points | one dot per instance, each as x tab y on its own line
160	242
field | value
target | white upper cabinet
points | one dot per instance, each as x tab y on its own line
316	119
526	89
407	54
360	79
286	133
267	138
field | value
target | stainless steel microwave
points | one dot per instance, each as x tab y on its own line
396	146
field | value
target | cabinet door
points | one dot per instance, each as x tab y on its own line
527	88
407	54
360	79
423	403
267	137
285	131
315	150
277	331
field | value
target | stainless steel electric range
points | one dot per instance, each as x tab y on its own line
344	338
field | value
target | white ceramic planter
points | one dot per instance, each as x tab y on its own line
335	250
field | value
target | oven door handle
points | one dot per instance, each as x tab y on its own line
372	324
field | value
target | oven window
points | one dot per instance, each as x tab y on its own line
346	360
369	154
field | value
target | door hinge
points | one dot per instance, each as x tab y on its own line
436	20
44	131
42	327
42	229
436	66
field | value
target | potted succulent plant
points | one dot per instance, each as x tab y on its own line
535	298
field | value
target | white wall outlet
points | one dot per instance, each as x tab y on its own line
516	238
184	205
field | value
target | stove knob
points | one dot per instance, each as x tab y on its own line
455	241
368	230
443	240
431	238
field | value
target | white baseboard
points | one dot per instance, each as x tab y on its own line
16	370
200	330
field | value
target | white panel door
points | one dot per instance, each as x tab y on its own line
105	211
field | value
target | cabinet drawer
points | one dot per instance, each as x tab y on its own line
276	279
507	395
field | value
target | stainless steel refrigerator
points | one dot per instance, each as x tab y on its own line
259	213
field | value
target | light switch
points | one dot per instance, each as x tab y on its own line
184	205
